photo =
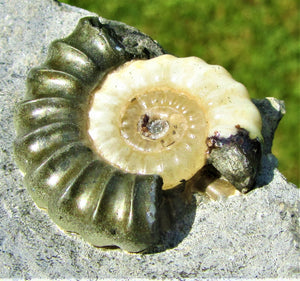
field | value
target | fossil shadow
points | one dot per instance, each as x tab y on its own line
177	217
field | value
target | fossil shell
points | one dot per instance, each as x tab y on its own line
100	134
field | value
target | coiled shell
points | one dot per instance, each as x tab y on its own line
57	151
81	192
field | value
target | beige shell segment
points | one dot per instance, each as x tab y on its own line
153	116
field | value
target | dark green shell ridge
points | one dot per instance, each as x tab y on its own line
64	175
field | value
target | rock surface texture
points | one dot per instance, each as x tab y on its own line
254	235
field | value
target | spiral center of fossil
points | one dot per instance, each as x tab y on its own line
153	122
152	127
151	130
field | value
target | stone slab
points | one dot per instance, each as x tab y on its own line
252	236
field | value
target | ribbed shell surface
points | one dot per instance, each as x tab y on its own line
81	192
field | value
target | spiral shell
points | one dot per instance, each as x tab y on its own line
154	116
100	134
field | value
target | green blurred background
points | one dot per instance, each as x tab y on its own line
257	41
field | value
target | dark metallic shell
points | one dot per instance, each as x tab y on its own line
237	158
81	192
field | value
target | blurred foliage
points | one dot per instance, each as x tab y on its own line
256	40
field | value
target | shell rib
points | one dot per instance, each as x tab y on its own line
100	134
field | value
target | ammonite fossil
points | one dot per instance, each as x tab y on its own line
102	133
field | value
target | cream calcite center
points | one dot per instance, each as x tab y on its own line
157	132
153	116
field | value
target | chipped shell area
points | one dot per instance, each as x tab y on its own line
216	104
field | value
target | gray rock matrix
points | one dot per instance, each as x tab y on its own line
256	235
